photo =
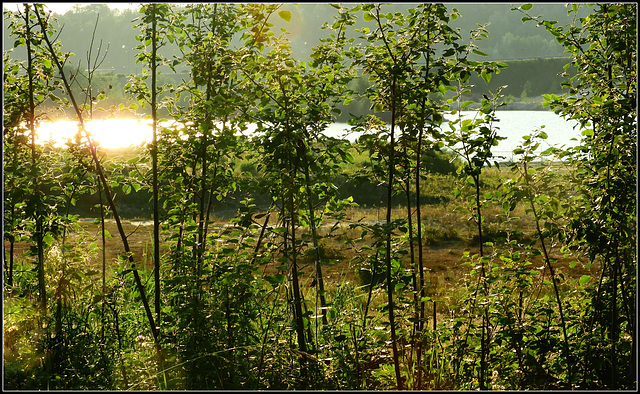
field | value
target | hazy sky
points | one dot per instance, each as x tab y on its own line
61	8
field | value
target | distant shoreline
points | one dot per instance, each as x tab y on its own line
525	106
534	104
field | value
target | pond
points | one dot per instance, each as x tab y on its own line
118	133
513	125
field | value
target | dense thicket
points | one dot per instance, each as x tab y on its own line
247	304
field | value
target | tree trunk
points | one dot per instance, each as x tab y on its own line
314	235
154	158
390	289
37	209
105	185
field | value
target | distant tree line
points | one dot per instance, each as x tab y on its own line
534	59
509	38
525	78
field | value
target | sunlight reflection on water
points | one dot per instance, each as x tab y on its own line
107	133
118	133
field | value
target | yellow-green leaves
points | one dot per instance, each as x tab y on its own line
285	15
584	279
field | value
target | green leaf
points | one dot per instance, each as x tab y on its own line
486	76
126	189
368	17
526	7
286	15
47	239
228	251
466	104
584	279
275	279
587	133
348	157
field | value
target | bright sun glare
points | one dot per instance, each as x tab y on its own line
109	133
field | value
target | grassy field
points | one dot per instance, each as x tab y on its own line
448	233
449	244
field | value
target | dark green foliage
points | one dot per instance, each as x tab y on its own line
524	78
602	96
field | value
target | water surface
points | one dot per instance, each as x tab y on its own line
116	133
